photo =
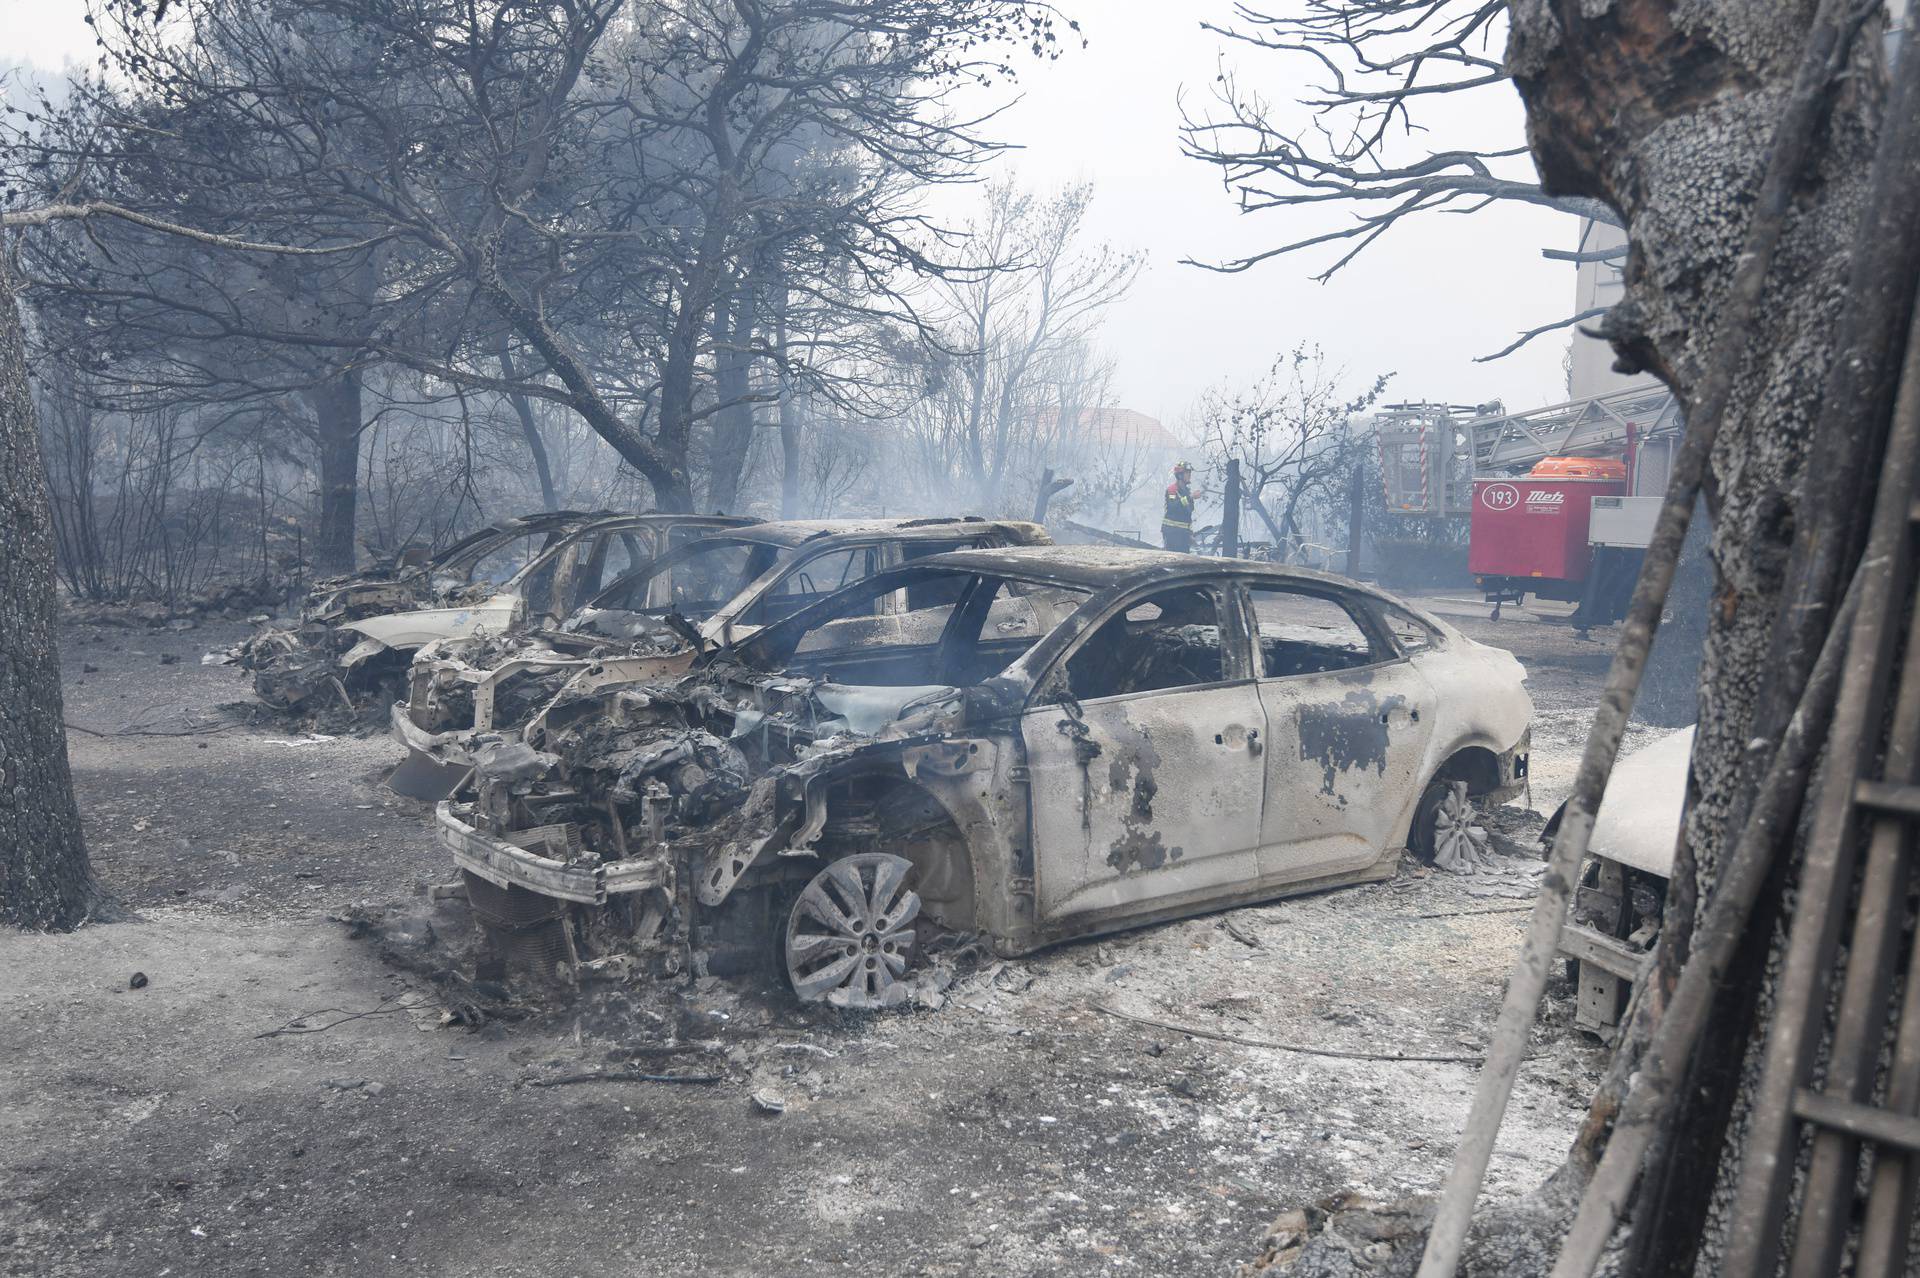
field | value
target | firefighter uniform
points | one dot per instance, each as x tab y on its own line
1176	525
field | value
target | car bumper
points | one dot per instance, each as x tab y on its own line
509	865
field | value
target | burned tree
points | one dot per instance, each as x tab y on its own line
1749	137
1009	369
1377	64
1293	432
1375	70
625	195
45	878
152	322
1737	141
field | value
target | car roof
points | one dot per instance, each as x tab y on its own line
652	517
521	525
1101	567
796	532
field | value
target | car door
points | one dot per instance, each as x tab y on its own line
595	562
805	579
1349	719
1144	762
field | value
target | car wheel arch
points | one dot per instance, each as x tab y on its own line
1473	760
1477	765
936	843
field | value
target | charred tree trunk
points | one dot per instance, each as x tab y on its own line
677	391
46	881
733	423
789	452
1665	110
1356	518
789	413
337	423
530	432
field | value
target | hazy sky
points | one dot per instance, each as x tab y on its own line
1420	303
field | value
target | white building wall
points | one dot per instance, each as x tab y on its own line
1597	285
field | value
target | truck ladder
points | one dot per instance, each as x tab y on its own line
1867	800
1582	427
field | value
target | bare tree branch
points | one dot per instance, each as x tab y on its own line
1594	312
47	214
1379	60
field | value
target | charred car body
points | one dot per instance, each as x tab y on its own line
1618	907
1049	743
466	694
357	633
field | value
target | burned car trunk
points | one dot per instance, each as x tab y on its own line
1050	743
467	694
356	635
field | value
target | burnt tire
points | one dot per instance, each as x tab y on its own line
1444	831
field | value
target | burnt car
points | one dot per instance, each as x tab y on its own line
416	579
465	694
356	634
1622	896
1048	743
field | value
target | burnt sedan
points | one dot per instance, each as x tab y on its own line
356	635
470	692
1049	743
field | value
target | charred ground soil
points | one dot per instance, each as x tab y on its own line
1025	1126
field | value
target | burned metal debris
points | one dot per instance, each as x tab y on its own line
357	633
1044	743
465	693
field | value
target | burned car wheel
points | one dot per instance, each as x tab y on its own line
1446	828
848	936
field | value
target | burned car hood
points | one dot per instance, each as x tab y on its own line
424	625
618	624
840	709
777	719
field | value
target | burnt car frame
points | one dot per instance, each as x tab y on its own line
504	576
1078	740
1618	907
414	577
455	702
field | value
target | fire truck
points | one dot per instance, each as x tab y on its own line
1561	501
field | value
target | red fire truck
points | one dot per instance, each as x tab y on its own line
1560	501
1529	535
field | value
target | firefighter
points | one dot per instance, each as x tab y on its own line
1176	526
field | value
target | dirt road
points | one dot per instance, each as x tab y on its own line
1017	1130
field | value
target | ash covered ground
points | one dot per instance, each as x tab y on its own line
1023	1127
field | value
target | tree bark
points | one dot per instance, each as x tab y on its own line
733	325
530	432
789	451
1665	110
337	424
46	880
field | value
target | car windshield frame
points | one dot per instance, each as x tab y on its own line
773	648
680	554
